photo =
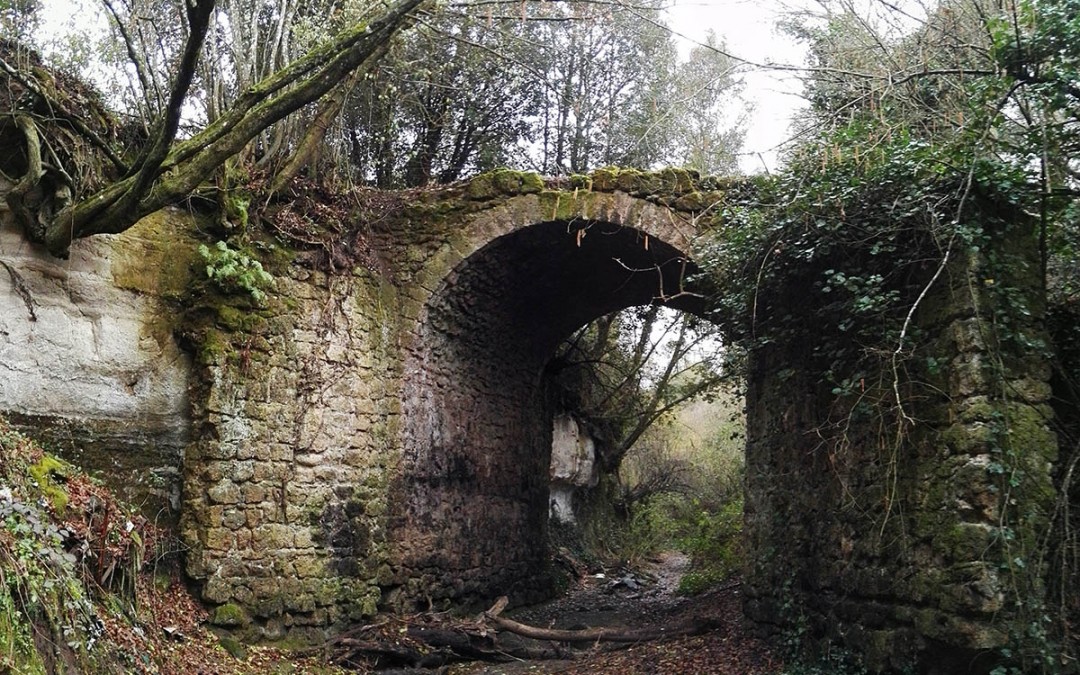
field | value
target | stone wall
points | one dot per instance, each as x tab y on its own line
286	480
380	437
903	547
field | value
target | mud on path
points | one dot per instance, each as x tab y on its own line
644	598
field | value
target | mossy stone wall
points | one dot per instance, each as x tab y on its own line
379	437
910	540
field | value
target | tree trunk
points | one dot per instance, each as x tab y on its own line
306	153
187	164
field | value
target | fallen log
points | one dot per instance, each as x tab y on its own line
694	627
466	644
427	642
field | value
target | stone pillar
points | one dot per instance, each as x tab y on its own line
906	535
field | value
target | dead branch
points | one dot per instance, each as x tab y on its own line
434	640
593	635
598	634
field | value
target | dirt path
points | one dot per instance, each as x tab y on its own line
642	599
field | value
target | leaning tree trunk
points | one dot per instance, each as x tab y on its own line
169	171
306	155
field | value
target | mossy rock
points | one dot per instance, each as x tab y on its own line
632	181
234	647
965	541
230	615
503	182
580	182
519	182
679	181
605	179
240	319
699	201
214	348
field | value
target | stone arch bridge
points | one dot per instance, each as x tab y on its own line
380	436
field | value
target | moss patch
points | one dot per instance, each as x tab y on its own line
230	615
50	473
156	255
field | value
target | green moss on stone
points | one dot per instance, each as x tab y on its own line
531	182
214	348
630	181
678	181
482	187
605	179
963	438
503	182
516	182
1029	436
697	201
230	615
580	182
240	319
157	255
557	205
234	647
964	541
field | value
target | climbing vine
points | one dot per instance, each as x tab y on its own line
882	238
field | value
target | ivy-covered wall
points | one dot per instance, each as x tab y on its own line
902	518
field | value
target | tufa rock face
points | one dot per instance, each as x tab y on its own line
91	366
573	465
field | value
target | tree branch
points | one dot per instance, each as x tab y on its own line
190	162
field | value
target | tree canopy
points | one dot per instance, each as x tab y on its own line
208	91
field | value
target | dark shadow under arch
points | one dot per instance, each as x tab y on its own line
470	513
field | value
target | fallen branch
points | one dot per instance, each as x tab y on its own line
431	642
694	627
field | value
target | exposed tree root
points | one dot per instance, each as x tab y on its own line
20	289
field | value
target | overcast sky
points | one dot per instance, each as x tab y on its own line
749	32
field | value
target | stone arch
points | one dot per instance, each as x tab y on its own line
470	516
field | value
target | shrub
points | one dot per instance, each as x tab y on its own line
232	271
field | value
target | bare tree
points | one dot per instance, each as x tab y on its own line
626	371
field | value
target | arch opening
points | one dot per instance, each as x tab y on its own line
471	517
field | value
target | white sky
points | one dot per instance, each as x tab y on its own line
748	30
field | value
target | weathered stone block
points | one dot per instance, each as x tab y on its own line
224	492
219	539
230	615
234	518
